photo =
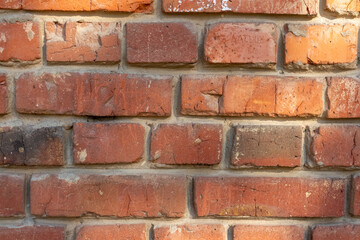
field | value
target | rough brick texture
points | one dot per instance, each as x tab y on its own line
32	147
355	196
94	94
80	5
321	45
108	143
343	6
83	42
249	96
174	43
70	195
38	232
341	232
179	119
209	232
19	42
335	146
267	146
296	7
242	43
111	232
203	144
11	195
343	98
3	94
269	197
252	232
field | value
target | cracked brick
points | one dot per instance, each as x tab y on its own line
83	42
141	196
269	197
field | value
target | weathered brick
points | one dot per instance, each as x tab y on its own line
89	5
174	43
108	143
38	232
181	232
70	195
11	195
19	42
338	232
343	97
112	232
3	95
203	144
32	147
321	45
269	197
10	4
272	96
242	43
335	146
249	96
343	6
279	232
94	94
296	7
267	146
355	196
83	42
200	94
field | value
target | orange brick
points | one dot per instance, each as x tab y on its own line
181	232
338	232
38	232
112	232
269	197
255	232
343	6
343	97
315	45
19	41
242	43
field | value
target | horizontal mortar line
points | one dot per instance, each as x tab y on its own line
167	221
189	172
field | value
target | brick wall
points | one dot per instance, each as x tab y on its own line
179	119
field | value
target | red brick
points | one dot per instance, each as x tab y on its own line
83	42
70	195
335	146
272	96
296	7
181	232
10	4
267	146
269	197
108	143
343	6
19	42
203	144
94	94
200	94
32	147
11	195
338	232
318	45
112	232
32	232
3	95
174	43
242	43
343	98
355	196
89	5
256	232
